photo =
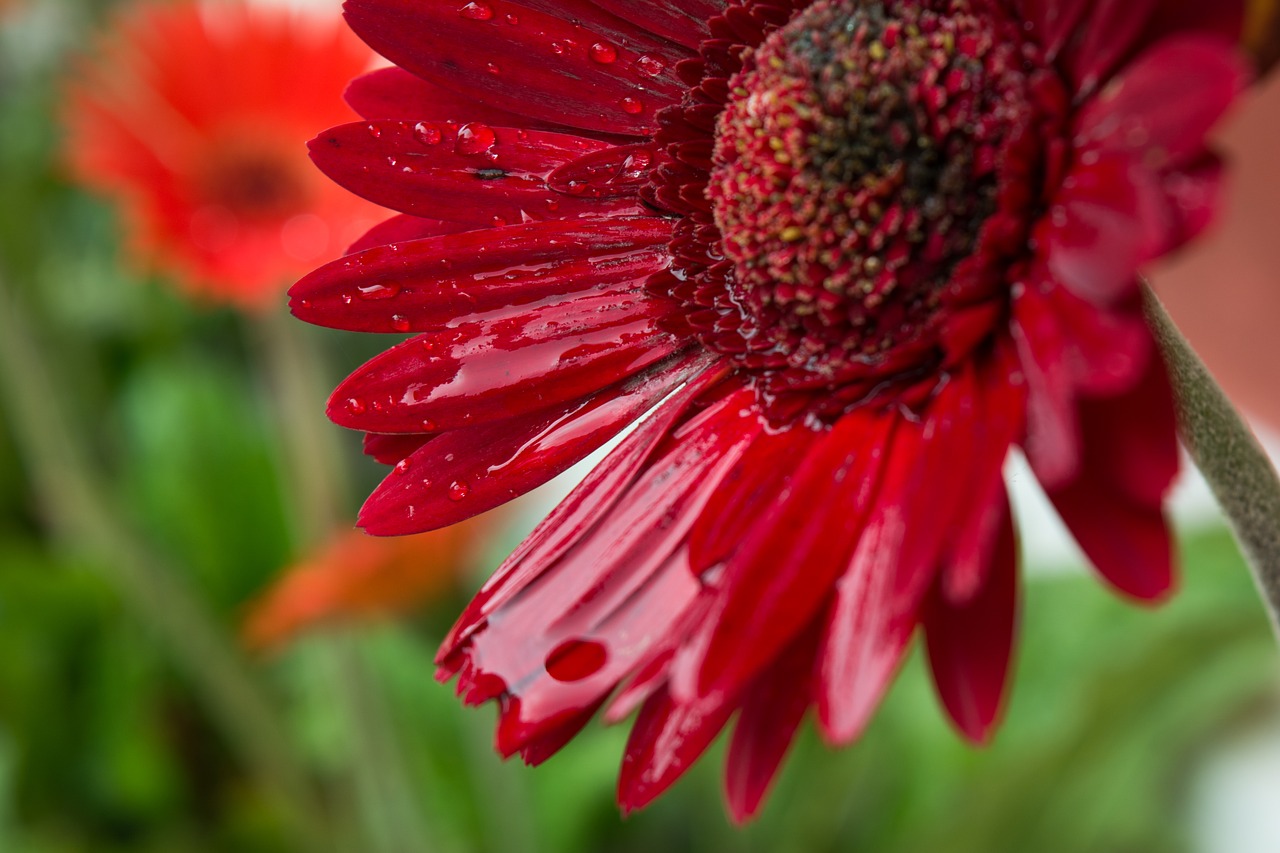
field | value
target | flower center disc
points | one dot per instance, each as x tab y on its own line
855	164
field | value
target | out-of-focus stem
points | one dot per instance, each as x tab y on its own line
1228	455
314	463
79	509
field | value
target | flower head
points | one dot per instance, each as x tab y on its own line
846	254
192	118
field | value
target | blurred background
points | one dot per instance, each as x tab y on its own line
198	654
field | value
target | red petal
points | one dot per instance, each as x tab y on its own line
772	709
1109	32
402	229
577	514
473	173
568	638
434	283
468	471
1053	433
1160	108
393	93
893	566
1054	22
516	67
783	571
970	644
1113	507
487	370
684	22
665	740
390	449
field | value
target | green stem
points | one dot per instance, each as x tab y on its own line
314	463
1228	455
80	509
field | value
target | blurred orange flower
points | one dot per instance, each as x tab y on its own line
194	119
357	576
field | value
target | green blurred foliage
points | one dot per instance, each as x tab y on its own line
104	745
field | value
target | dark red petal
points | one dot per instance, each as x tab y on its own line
1113	507
684	22
1160	108
783	570
473	173
665	740
772	708
403	228
1108	219
577	514
622	170
1107	350
570	636
894	563
390	449
1223	18
468	471
492	369
542	66
1194	196
998	419
1107	34
393	93
1054	23
746	494
970	644
435	283
1052	442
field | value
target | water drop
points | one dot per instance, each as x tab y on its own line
574	660
512	20
476	11
402	467
375	131
374	292
475	138
458	490
603	53
355	406
631	106
492	68
650	65
426	134
428	425
400	323
557	48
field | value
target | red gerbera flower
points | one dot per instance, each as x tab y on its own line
846	254
193	117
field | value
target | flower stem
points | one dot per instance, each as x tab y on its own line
80	510
1236	467
314	465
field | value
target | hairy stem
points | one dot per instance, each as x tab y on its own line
1227	454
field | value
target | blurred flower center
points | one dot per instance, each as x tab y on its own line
253	183
856	164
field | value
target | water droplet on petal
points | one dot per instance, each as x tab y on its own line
476	11
603	53
574	660
374	292
650	65
355	406
512	20
492	68
426	134
458	490
632	106
403	466
475	138
400	323
375	131
428	425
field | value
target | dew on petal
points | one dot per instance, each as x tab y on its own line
632	106
477	11
650	65
475	138
458	490
402	467
603	53
375	131
355	406
400	323
375	292
426	133
574	660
